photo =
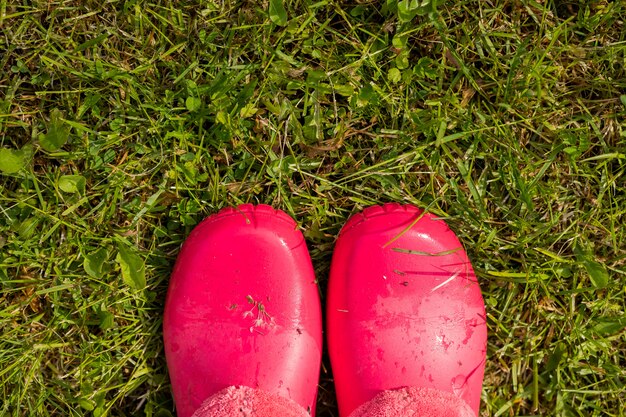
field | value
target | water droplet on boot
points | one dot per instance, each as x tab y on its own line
459	384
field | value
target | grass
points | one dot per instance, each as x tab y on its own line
124	123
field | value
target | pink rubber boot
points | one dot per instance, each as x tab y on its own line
405	318
242	321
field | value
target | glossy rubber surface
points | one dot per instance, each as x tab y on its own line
243	309
404	309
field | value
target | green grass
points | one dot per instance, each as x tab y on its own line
125	123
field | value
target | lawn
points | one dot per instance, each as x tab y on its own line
125	123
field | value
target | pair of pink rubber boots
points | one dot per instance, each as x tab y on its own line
405	319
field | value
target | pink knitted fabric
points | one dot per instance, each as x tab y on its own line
414	402
243	401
